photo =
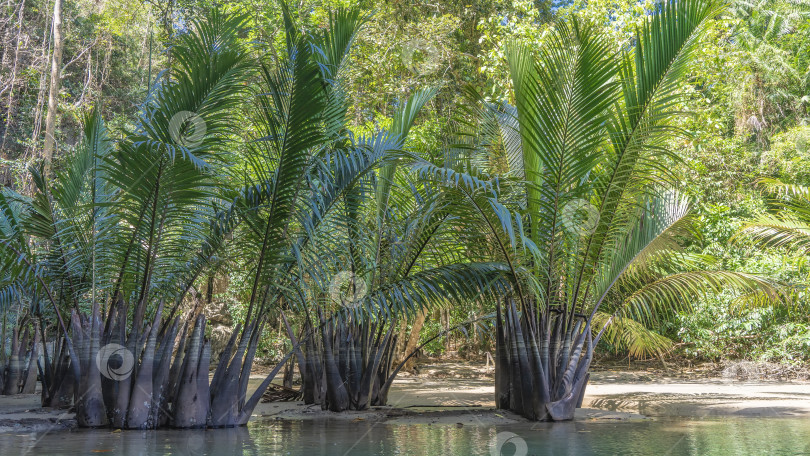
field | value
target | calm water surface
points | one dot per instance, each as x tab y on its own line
744	436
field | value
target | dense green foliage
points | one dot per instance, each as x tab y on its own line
740	108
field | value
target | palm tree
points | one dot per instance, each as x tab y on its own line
405	263
320	202
582	219
118	240
121	231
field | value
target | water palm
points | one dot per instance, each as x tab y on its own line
582	218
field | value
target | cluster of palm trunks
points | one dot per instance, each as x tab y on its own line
18	370
541	368
345	364
165	384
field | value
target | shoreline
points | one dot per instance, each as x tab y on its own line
467	399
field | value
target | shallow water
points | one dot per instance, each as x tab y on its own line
743	436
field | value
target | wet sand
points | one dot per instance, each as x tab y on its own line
22	413
464	396
702	398
416	400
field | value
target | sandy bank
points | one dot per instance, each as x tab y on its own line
416	400
22	413
702	398
465	397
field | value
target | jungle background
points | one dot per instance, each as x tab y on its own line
747	119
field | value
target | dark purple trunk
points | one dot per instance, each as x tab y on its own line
543	365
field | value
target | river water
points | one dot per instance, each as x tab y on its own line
738	436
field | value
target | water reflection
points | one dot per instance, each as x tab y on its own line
368	438
235	441
743	436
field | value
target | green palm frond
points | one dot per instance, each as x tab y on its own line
594	130
335	42
791	227
677	292
403	120
562	99
451	284
164	176
118	221
650	78
289	118
662	222
639	341
477	204
784	189
493	129
787	231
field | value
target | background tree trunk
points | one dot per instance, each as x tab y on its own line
413	339
11	90
399	349
53	92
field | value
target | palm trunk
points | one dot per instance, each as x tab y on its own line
18	372
142	398
58	381
502	391
347	364
188	410
160	387
90	410
541	370
336	394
